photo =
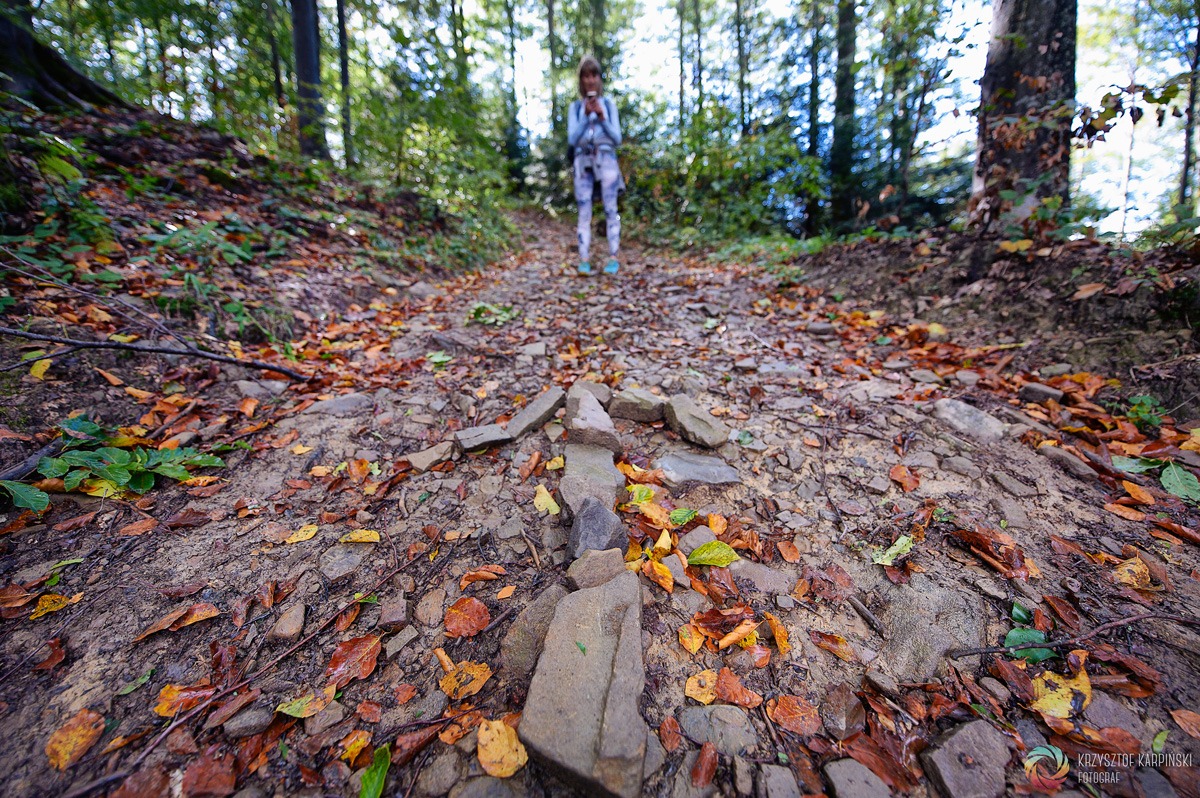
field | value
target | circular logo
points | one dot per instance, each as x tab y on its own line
1046	766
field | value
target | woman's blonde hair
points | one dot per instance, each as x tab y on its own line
587	64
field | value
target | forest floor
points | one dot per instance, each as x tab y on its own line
377	565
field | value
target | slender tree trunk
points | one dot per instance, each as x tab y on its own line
843	187
110	49
682	10
164	90
812	214
1030	75
344	67
276	72
311	108
514	151
556	117
1189	126
740	26
698	74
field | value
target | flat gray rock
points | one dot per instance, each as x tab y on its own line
539	410
778	782
695	539
694	424
1069	462
1037	393
926	376
969	761
727	727
398	641
581	718
637	404
394	613
963	466
590	472
850	779
346	405
342	559
685	468
427	458
248	722
1056	369
925	621
602	393
473	438
488	787
1014	486
289	626
589	425
764	578
595	528
260	389
595	568
523	642
968	420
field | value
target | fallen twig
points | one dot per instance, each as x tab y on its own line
868	616
159	350
1070	641
22	469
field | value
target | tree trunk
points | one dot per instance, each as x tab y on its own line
512	133
311	109
812	212
556	117
344	67
739	25
37	73
682	69
698	74
276	72
1030	75
843	188
1189	126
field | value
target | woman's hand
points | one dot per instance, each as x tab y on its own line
594	106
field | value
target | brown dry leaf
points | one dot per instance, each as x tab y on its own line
210	775
1139	494
690	638
466	617
903	476
78	522
506	592
177	619
484	573
1065	612
842	713
232	707
659	574
353	659
1057	696
12	596
1134	573
1088	289
705	767
834	644
369	711
174	698
731	690
73	739
404	693
409	745
56	655
500	752
794	714
1128	513
788	551
739	633
1188	721
248	406
702	687
139	527
670	735
780	633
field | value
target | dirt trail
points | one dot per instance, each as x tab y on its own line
840	448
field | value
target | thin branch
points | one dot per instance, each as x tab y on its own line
1070	641
160	350
26	362
22	469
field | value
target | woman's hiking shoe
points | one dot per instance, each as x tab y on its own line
612	266
585	268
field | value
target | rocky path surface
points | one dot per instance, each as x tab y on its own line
532	524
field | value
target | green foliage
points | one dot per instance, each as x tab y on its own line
489	314
26	496
1145	411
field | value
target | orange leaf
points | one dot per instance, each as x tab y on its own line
718	524
1140	495
467	617
670	734
794	714
731	690
139	527
1188	721
788	551
705	767
74	738
465	679
506	592
659	574
353	659
113	379
740	633
485	573
178	618
248	406
173	698
369	711
834	644
904	477
405	693
1127	513
690	638
702	687
780	633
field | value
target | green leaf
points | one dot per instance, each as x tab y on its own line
54	166
713	553
1136	465
681	516
1021	614
1179	481
53	467
26	496
172	471
136	683
1160	741
744	438
640	494
374	777
76	478
582	648
65	563
902	546
141	482
1020	637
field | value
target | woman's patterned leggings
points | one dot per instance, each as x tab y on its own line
602	165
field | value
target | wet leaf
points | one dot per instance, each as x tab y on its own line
544	502
842	713
73	739
302	534
177	619
681	516
670	735
705	767
1188	721
210	775
1134	573
902	546
834	644
56	655
659	574
484	573
360	536
739	633
353	659
369	711
903	476
464	679
1020	637
232	707
375	776
500	753
1057	696
353	744
640	494
702	687
467	617
780	633
308	704
788	551
690	638
731	690
404	693
175	698
1180	482
714	552
794	714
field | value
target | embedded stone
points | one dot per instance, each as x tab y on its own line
345	405
589	425
968	420
637	404
687	468
596	528
289	625
694	424
427	458
589	472
969	761
537	412
473	438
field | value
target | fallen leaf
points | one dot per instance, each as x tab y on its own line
407	747
353	744
73	739
309	704
1128	513
659	574
794	714
112	379
175	698
353	659
369	711
404	693
1057	696
506	592
484	573
788	551
465	679
702	687
210	775
302	534
1188	721
544	502
780	633
731	690
1134	573
834	644
714	552
187	518
466	617
1087	290
670	735
1139	494
903	476
705	767
555	463
690	638
78	522
842	713
48	603
232	707
360	536
178	618
139	527
739	633
56	655
500	753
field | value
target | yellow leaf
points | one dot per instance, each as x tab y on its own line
556	463
718	524
634	553
1059	697
123	338
780	633
659	574
353	744
500	752
702	687
320	471
102	488
74	738
300	448
663	543
138	393
302	534
749	640
51	602
544	502
200	481
1193	443
1134	573
360	536
308	704
39	368
690	638
656	513
1016	246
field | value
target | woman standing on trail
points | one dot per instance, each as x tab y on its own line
594	132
